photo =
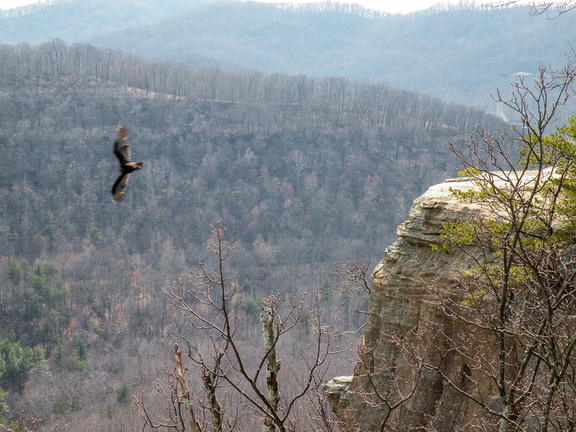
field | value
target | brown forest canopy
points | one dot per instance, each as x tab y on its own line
275	155
303	172
300	170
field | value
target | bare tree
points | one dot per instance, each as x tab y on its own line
243	374
180	415
25	424
352	278
298	163
514	306
354	275
541	6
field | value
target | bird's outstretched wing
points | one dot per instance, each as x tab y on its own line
121	146
122	152
119	186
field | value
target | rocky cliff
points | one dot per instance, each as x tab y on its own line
408	330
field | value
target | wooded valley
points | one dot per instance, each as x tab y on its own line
303	172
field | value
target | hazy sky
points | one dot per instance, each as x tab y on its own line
392	6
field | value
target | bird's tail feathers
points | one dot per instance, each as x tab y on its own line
118	197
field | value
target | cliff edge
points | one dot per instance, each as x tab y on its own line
408	330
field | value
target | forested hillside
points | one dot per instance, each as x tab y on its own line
457	53
303	172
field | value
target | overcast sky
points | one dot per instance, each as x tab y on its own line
392	6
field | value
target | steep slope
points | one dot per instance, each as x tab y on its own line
430	358
406	317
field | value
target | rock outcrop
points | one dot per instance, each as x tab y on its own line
408	327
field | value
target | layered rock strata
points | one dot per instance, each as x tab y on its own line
408	328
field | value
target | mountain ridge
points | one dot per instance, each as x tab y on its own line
460	54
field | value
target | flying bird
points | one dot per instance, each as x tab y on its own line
122	152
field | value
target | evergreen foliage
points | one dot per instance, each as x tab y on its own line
3	405
124	394
16	361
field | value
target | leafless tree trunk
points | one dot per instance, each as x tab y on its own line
210	380
269	332
186	400
207	307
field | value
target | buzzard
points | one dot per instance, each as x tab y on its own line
122	152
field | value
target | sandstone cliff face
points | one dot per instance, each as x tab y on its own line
407	328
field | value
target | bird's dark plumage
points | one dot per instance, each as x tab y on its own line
122	152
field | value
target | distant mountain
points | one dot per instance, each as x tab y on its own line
459	54
80	20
